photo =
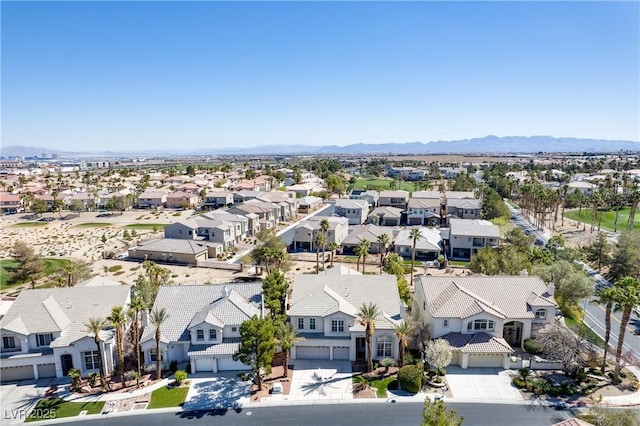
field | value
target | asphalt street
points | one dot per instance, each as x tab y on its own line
345	414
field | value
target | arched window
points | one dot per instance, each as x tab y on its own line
384	344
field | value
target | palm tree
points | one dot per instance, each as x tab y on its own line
94	326
403	329
70	268
383	241
627	298
320	241
286	335
334	247
136	306
606	297
157	318
416	234
324	228
362	251
118	319
564	189
367	316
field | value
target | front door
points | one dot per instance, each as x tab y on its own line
67	364
361	348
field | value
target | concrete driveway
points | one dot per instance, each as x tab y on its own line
320	380
481	383
225	390
20	397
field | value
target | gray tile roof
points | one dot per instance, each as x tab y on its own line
98	281
477	343
394	194
172	245
463	203
450	195
430	240
345	203
322	295
386	211
227	347
183	303
473	227
366	232
426	194
423	203
62	310
507	297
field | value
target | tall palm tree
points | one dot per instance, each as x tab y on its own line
118	320
157	318
564	190
403	329
606	297
362	250
320	241
416	234
383	241
367	316
627	298
94	326
334	247
286	335
324	228
136	307
633	196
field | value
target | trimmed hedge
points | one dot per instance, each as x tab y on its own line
410	378
532	346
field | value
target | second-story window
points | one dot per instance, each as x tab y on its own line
212	334
44	339
337	326
300	323
8	342
199	334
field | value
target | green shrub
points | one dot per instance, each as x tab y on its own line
554	391
410	378
408	358
532	346
74	373
518	382
114	268
524	373
442	371
93	379
173	365
581	376
180	376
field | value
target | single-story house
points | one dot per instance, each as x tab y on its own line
385	216
167	250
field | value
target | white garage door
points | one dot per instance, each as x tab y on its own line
489	360
228	364
341	353
312	352
46	371
11	374
204	364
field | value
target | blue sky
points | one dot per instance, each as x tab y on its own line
122	75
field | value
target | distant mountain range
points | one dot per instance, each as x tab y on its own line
485	145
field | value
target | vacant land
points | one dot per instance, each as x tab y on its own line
608	218
381	184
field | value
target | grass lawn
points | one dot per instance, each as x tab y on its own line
381	184
168	397
30	224
608	218
56	408
381	385
6	265
462	263
51	266
147	226
583	330
93	225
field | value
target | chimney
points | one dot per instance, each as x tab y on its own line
225	291
403	309
551	289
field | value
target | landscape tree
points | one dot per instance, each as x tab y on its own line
463	182
257	346
30	266
157	317
367	315
39	206
403	330
335	184
362	250
319	241
324	228
599	251
118	320
493	206
136	307
274	289
486	261
394	264
58	206
438	354
94	326
334	246
383	241
286	336
415	234
560	343
570	281
606	297
435	413
266	252
625	261
627	298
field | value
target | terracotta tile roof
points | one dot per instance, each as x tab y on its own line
477	343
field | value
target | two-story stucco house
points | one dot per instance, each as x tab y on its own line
483	318
424	211
354	210
43	332
370	196
385	216
466	236
215	199
463	208
203	325
181	199
204	228
152	199
428	247
324	310
304	236
397	199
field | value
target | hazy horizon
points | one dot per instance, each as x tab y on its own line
97	76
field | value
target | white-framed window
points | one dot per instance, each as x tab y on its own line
337	326
44	339
8	342
200	334
541	314
212	334
153	357
90	359
445	323
480	325
312	323
300	323
384	344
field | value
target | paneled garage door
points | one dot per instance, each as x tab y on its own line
489	360
11	374
228	364
47	371
312	352
341	353
204	364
